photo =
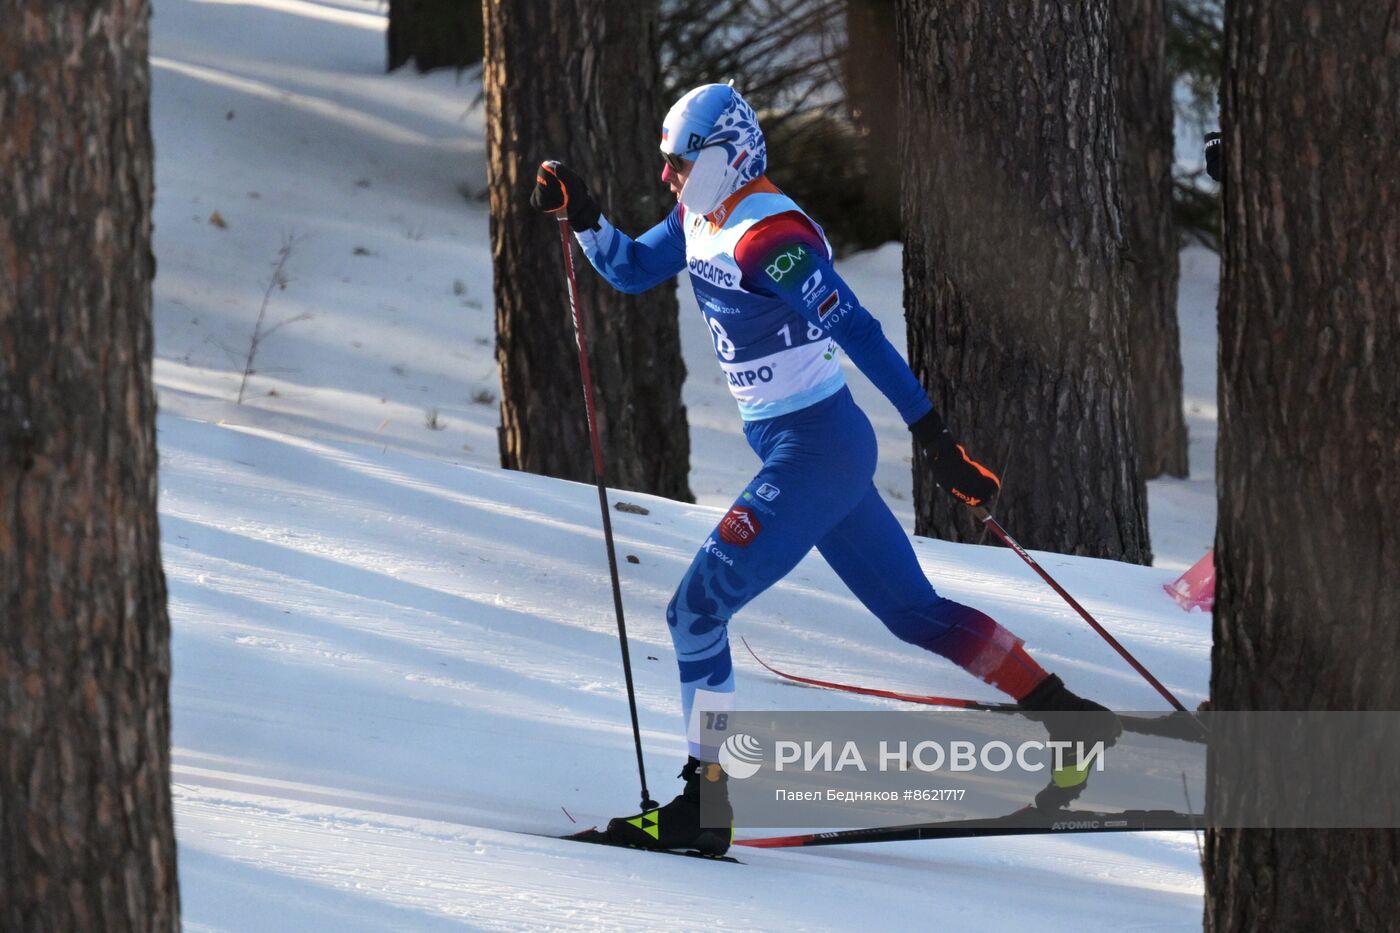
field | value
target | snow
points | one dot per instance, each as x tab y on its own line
394	660
388	667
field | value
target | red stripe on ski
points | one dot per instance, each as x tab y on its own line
951	702
777	842
1024	822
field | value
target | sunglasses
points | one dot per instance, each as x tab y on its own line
676	162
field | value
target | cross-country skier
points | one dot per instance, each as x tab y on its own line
778	313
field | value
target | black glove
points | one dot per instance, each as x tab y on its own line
1213	150
558	189
952	468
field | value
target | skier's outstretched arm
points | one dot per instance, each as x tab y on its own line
634	266
784	255
630	265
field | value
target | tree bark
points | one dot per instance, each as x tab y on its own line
871	75
1016	300
1145	104
575	81
434	34
1307	546
86	832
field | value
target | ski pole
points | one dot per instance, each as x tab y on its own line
598	472
986	519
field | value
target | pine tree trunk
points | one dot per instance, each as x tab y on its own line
576	81
1015	297
1145	104
1308	545
86	832
871	67
434	34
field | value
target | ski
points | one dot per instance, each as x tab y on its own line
592	835
1026	822
1174	725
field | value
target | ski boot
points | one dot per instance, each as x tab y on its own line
677	824
1068	718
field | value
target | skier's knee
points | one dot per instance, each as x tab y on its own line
692	626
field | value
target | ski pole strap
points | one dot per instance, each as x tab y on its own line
990	522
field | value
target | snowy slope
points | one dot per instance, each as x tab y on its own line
276	115
386	666
391	656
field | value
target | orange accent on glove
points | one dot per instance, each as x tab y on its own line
544	182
